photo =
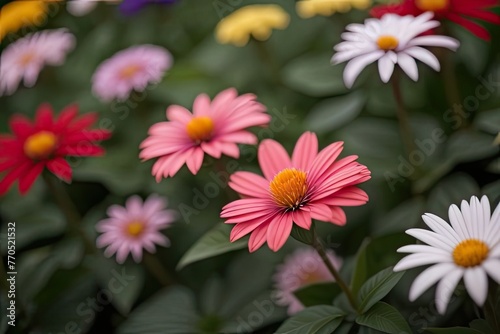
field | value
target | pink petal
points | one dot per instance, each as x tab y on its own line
350	196
302	218
179	114
272	158
249	184
338	216
320	211
324	160
242	229
231	150
201	105
305	151
257	238
195	160
279	230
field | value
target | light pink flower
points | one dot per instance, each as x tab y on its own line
309	185
301	268
136	226
215	127
24	59
130	69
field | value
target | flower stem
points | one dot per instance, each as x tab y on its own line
404	121
69	210
322	253
156	268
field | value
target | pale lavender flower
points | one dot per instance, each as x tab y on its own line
24	59
135	227
130	69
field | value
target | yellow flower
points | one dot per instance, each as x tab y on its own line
310	8
497	140
255	20
20	13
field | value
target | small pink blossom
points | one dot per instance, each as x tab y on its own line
24	59
130	69
215	128
301	268
136	226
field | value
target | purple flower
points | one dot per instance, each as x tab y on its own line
131	7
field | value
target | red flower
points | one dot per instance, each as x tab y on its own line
46	143
462	12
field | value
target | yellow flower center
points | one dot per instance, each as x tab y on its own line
129	71
387	42
289	187
135	228
26	58
470	253
312	277
200	129
432	5
40	145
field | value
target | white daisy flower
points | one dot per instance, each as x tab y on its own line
391	40
469	248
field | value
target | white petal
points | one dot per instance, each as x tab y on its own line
355	66
442	41
408	65
477	217
422	249
485	206
417	260
458	222
385	68
432	239
476	283
492	267
428	277
495	252
495	217
80	7
445	289
469	223
440	226
425	56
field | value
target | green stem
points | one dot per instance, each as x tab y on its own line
322	253
404	121
69	210
489	307
156	268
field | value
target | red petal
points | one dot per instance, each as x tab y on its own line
21	126
86	149
66	116
7	164
473	27
83	122
481	15
87	135
12	176
61	168
44	117
27	180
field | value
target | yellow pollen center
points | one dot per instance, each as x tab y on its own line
200	129
387	42
40	145
135	228
289	187
470	253
129	71
26	58
432	5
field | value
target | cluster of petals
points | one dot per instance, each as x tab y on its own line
308	185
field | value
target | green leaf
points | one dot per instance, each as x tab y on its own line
385	318
482	325
214	242
452	330
303	235
360	275
468	146
331	114
171	310
317	294
404	216
489	121
314	75
313	320
377	287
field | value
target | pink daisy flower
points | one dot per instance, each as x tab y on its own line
309	185
301	268
24	59
215	127
130	69
136	226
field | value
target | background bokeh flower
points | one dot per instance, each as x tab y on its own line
137	226
310	8
17	14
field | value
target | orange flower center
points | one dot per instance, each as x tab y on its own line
432	5
387	42
26	58
470	253
288	188
40	145
135	228
312	277
200	129
129	71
